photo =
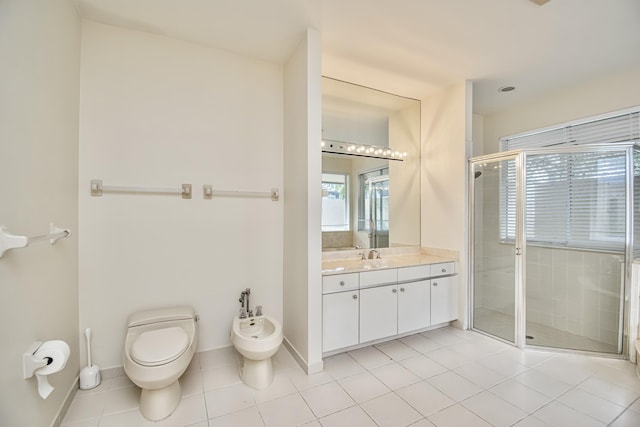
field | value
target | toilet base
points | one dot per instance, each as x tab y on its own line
257	374
158	404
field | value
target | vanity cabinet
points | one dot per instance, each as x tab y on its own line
373	305
378	312
444	300
378	304
340	316
414	303
340	311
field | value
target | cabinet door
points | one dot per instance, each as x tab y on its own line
414	305
378	312
339	320
444	299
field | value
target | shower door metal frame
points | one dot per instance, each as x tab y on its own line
519	246
628	327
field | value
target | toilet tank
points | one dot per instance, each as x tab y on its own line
164	314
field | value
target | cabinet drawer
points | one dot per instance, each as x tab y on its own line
443	269
413	273
339	282
378	277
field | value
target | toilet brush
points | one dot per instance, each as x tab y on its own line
90	374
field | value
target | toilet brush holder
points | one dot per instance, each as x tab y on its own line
90	374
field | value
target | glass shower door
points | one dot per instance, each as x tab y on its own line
379	212
494	255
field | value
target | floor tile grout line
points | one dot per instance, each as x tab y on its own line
595	372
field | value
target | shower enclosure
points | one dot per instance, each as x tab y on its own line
378	209
552	245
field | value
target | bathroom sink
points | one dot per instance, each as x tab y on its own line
371	264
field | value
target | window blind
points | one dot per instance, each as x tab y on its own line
618	127
573	199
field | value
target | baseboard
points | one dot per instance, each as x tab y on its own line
309	369
57	420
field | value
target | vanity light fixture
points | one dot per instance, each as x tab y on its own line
362	150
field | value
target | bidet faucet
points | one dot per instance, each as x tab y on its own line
245	308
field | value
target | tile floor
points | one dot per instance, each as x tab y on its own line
444	377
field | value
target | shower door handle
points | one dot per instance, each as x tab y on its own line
518	251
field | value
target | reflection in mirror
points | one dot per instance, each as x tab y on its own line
369	202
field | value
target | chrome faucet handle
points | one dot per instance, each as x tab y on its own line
243	313
258	310
362	257
250	313
378	255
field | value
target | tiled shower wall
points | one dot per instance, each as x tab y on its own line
573	291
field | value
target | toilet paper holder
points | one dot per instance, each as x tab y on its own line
30	364
43	359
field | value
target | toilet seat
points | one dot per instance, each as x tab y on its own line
159	346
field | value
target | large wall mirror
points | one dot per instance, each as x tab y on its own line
368	199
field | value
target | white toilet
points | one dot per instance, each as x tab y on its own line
158	348
256	339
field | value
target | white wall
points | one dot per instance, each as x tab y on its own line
302	207
608	93
39	47
446	135
160	112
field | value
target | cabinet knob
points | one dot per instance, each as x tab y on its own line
401	289
444	270
394	290
435	283
342	283
355	297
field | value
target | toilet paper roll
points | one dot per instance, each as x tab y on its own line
56	353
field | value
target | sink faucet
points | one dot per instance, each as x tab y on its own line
374	254
245	309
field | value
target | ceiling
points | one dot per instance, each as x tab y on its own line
411	47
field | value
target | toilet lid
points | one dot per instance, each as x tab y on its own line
159	346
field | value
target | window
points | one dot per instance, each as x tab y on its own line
335	202
573	199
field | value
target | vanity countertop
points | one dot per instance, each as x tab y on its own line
340	266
